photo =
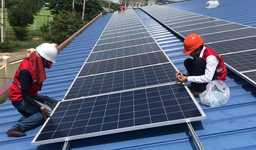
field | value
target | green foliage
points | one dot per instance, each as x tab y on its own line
92	8
60	5
113	6
21	14
66	21
63	25
10	46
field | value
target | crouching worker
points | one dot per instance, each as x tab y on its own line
204	65
23	93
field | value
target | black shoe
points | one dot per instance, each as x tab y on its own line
15	132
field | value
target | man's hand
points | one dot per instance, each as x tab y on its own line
181	78
45	112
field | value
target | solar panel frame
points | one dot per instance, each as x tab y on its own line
242	61
236	45
123	44
181	19
123	28
151	107
229	35
191	22
150	125
128	51
123	33
201	25
122	80
123	63
252	76
214	29
124	38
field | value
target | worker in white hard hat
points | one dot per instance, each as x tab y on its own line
27	81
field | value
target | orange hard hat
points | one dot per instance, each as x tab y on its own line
192	42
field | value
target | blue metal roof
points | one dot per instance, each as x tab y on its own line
242	11
69	62
232	126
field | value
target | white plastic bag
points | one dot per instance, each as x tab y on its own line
217	93
212	4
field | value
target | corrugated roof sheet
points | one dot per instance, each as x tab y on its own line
69	62
242	11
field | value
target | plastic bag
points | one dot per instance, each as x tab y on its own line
212	4
217	93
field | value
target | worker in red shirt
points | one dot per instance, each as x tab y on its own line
204	65
23	92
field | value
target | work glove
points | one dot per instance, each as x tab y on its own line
45	112
181	78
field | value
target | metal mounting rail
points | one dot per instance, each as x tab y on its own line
195	139
66	145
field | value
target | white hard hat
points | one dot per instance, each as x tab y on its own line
48	51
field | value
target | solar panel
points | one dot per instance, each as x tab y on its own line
124	29
214	29
122	80
234	45
229	35
123	63
114	27
190	22
123	44
243	61
251	75
121	112
121	94
123	33
133	50
184	18
127	37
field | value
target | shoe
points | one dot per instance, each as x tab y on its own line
15	132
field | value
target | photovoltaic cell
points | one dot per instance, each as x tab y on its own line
122	80
242	61
123	29
123	38
180	19
114	27
123	63
123	44
215	29
251	75
123	33
190	22
197	26
124	52
120	112
230	35
234	45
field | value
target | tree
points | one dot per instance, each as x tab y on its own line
63	25
92	7
21	14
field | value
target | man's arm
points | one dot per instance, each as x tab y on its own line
26	82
